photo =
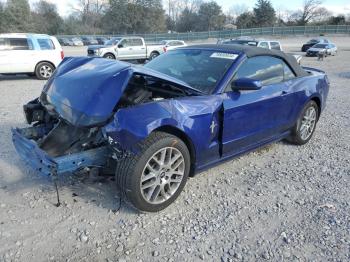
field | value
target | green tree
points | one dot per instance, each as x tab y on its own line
337	20
137	16
2	28
264	13
245	20
210	17
187	21
46	18
17	16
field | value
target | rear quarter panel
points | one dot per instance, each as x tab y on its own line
315	86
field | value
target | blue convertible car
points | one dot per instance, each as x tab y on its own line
155	125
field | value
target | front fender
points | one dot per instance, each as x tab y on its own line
192	115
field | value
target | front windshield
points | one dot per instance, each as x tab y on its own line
201	69
320	46
113	41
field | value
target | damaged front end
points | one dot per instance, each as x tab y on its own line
69	122
53	146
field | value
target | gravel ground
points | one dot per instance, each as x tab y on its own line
279	203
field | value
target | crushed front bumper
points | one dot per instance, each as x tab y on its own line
47	165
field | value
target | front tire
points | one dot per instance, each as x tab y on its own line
306	124
109	56
44	70
152	179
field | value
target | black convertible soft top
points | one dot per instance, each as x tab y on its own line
251	51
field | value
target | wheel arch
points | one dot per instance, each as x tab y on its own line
185	138
44	61
109	53
317	100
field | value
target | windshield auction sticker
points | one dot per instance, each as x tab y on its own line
224	55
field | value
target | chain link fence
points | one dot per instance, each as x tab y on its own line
262	31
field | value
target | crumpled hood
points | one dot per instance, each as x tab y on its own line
84	91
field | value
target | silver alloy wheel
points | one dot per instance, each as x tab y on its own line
162	175
308	123
45	71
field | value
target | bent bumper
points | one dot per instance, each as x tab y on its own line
47	165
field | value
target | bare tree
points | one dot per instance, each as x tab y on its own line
90	12
236	10
174	8
311	11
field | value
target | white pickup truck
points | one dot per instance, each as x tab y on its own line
126	48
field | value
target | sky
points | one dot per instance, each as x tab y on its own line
336	6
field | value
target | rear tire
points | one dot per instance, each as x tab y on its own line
153	55
306	124
153	178
44	70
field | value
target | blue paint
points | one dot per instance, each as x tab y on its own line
85	91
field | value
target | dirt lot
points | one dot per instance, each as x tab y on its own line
280	203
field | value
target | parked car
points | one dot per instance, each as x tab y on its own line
29	53
101	40
88	40
327	49
65	41
276	45
77	41
126	48
172	44
273	45
154	126
313	42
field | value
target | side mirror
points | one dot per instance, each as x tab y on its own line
120	46
246	84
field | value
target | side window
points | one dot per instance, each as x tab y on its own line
288	73
125	42
4	45
136	42
264	45
275	46
269	70
19	44
46	44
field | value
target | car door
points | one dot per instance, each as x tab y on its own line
125	50
254	117
21	55
139	49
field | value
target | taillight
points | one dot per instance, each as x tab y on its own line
164	48
62	54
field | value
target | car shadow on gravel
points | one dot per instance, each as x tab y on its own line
75	190
17	77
